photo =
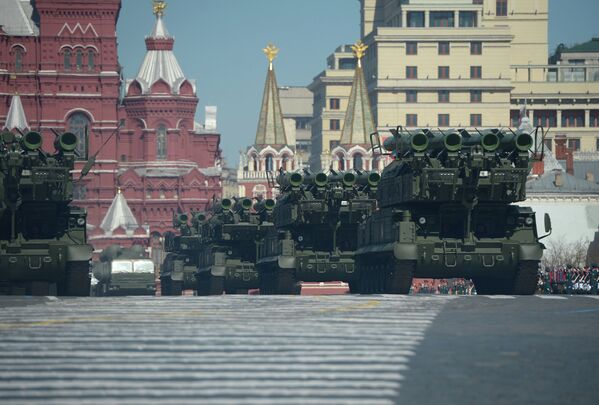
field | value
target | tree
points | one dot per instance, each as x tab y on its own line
561	253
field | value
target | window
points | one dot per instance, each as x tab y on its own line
476	120
347	63
574	144
411	120
444	96
358	162
411	48
476	96
341	160
468	19
476	48
594	116
415	19
411	96
67	60
597	144
545	119
443	72
79	124
161	142
573	118
476	72
442	19
444	48
334	125
334	103
91	65
548	143
501	8
514	118
19	58
411	72
443	120
79	59
268	163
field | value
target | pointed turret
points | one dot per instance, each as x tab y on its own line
160	63
271	130
359	122
15	119
119	215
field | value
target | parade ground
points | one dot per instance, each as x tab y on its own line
377	349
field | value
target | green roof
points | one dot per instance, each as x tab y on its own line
590	46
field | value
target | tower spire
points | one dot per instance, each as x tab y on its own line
15	119
359	122
271	130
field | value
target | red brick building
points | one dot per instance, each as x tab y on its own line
61	57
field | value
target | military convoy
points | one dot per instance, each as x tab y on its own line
123	271
43	247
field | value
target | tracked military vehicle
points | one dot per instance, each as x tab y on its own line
43	247
177	272
446	209
316	219
229	243
123	271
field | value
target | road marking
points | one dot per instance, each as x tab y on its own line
551	297
500	297
595	297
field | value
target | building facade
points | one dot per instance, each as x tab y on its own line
60	57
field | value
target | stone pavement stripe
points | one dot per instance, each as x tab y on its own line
500	297
551	297
595	297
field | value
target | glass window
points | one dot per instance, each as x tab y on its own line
121	266
444	96
443	72
411	96
476	120
475	72
443	120
347	63
143	266
547	118
597	144
411	48
476	96
161	142
79	124
515	118
574	144
476	48
269	163
444	48
411	120
67	60
358	162
334	125
573	118
415	19
18	59
442	19
594	116
91	64
334	103
468	19
501	8
548	143
411	72
79	59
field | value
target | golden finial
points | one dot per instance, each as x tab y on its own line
118	190
359	50
158	6
271	52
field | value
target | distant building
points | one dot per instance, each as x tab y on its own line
274	146
296	107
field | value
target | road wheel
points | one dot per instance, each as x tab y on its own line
176	288
399	278
525	282
77	281
165	286
210	285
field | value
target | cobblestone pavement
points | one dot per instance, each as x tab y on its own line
225	350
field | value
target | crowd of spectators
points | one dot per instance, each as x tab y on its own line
569	280
454	286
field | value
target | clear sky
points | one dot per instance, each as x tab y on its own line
219	44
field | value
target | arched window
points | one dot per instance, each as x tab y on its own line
79	124
161	142
91	64
255	163
67	60
269	163
79	59
358	163
19	58
285	163
341	160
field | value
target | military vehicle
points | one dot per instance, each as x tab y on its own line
316	219
178	269
229	243
446	210
43	247
123	271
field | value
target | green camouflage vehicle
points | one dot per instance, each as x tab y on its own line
177	272
446	210
43	247
123	272
230	240
316	219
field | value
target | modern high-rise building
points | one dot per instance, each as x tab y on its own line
473	63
